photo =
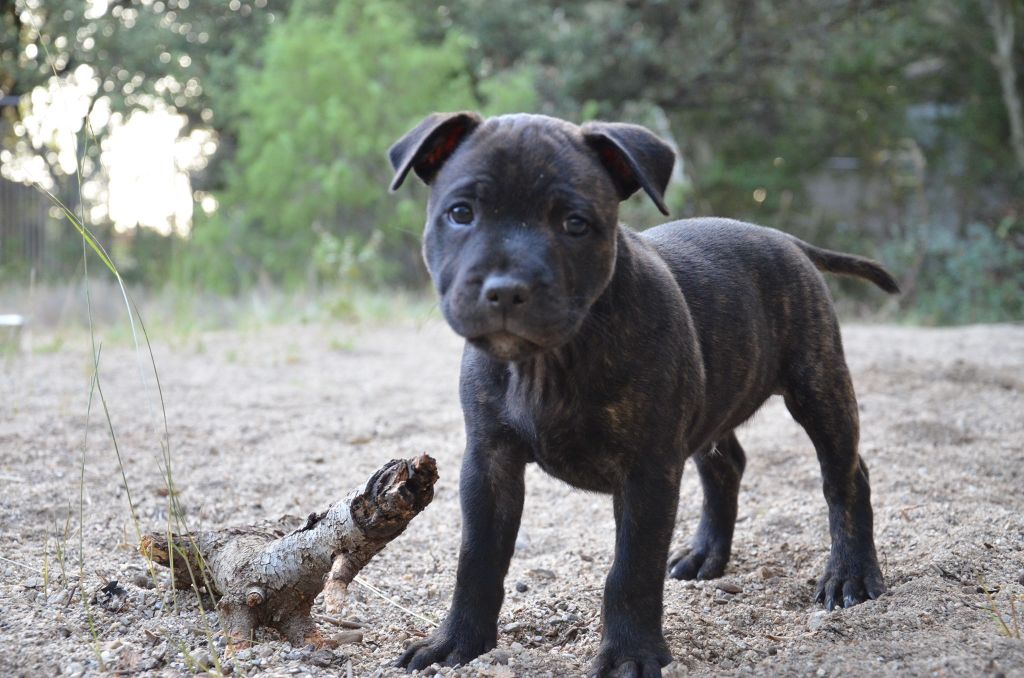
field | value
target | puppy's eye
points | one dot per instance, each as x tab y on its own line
461	214
576	225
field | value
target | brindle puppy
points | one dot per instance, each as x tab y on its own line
610	357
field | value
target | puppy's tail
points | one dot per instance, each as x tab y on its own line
849	264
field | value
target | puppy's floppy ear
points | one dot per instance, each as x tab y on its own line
428	145
634	157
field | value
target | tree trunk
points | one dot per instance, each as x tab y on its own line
1001	19
266	579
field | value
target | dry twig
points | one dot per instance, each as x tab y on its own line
266	579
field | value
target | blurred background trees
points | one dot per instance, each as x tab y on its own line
893	129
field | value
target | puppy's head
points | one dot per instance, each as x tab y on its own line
522	218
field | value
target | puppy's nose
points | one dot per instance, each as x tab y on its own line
504	292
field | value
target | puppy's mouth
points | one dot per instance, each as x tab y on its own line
512	337
506	346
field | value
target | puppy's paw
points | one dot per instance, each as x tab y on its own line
629	662
699	563
844	586
445	647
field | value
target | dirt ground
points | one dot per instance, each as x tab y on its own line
286	420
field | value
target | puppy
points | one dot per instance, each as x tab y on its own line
610	357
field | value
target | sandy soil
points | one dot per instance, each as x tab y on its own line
287	420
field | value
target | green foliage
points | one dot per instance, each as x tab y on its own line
217	257
762	98
336	89
971	279
343	261
182	53
509	91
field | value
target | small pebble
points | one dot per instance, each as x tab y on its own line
522	587
499	657
542	573
729	587
204	661
322	658
149	664
143	580
817	619
348	637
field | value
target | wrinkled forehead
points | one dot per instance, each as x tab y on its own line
525	157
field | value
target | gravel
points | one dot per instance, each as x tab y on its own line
279	421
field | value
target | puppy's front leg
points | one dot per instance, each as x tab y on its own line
491	492
645	509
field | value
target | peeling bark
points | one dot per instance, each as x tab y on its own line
266	579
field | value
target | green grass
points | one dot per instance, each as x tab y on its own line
176	519
1011	628
178	316
181	318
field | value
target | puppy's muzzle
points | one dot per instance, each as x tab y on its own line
508	315
505	294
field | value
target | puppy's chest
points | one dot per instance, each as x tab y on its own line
584	443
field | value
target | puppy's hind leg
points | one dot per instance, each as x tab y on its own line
822	401
720	468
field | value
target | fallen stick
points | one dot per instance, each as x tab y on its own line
266	579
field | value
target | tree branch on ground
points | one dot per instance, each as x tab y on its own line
266	579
